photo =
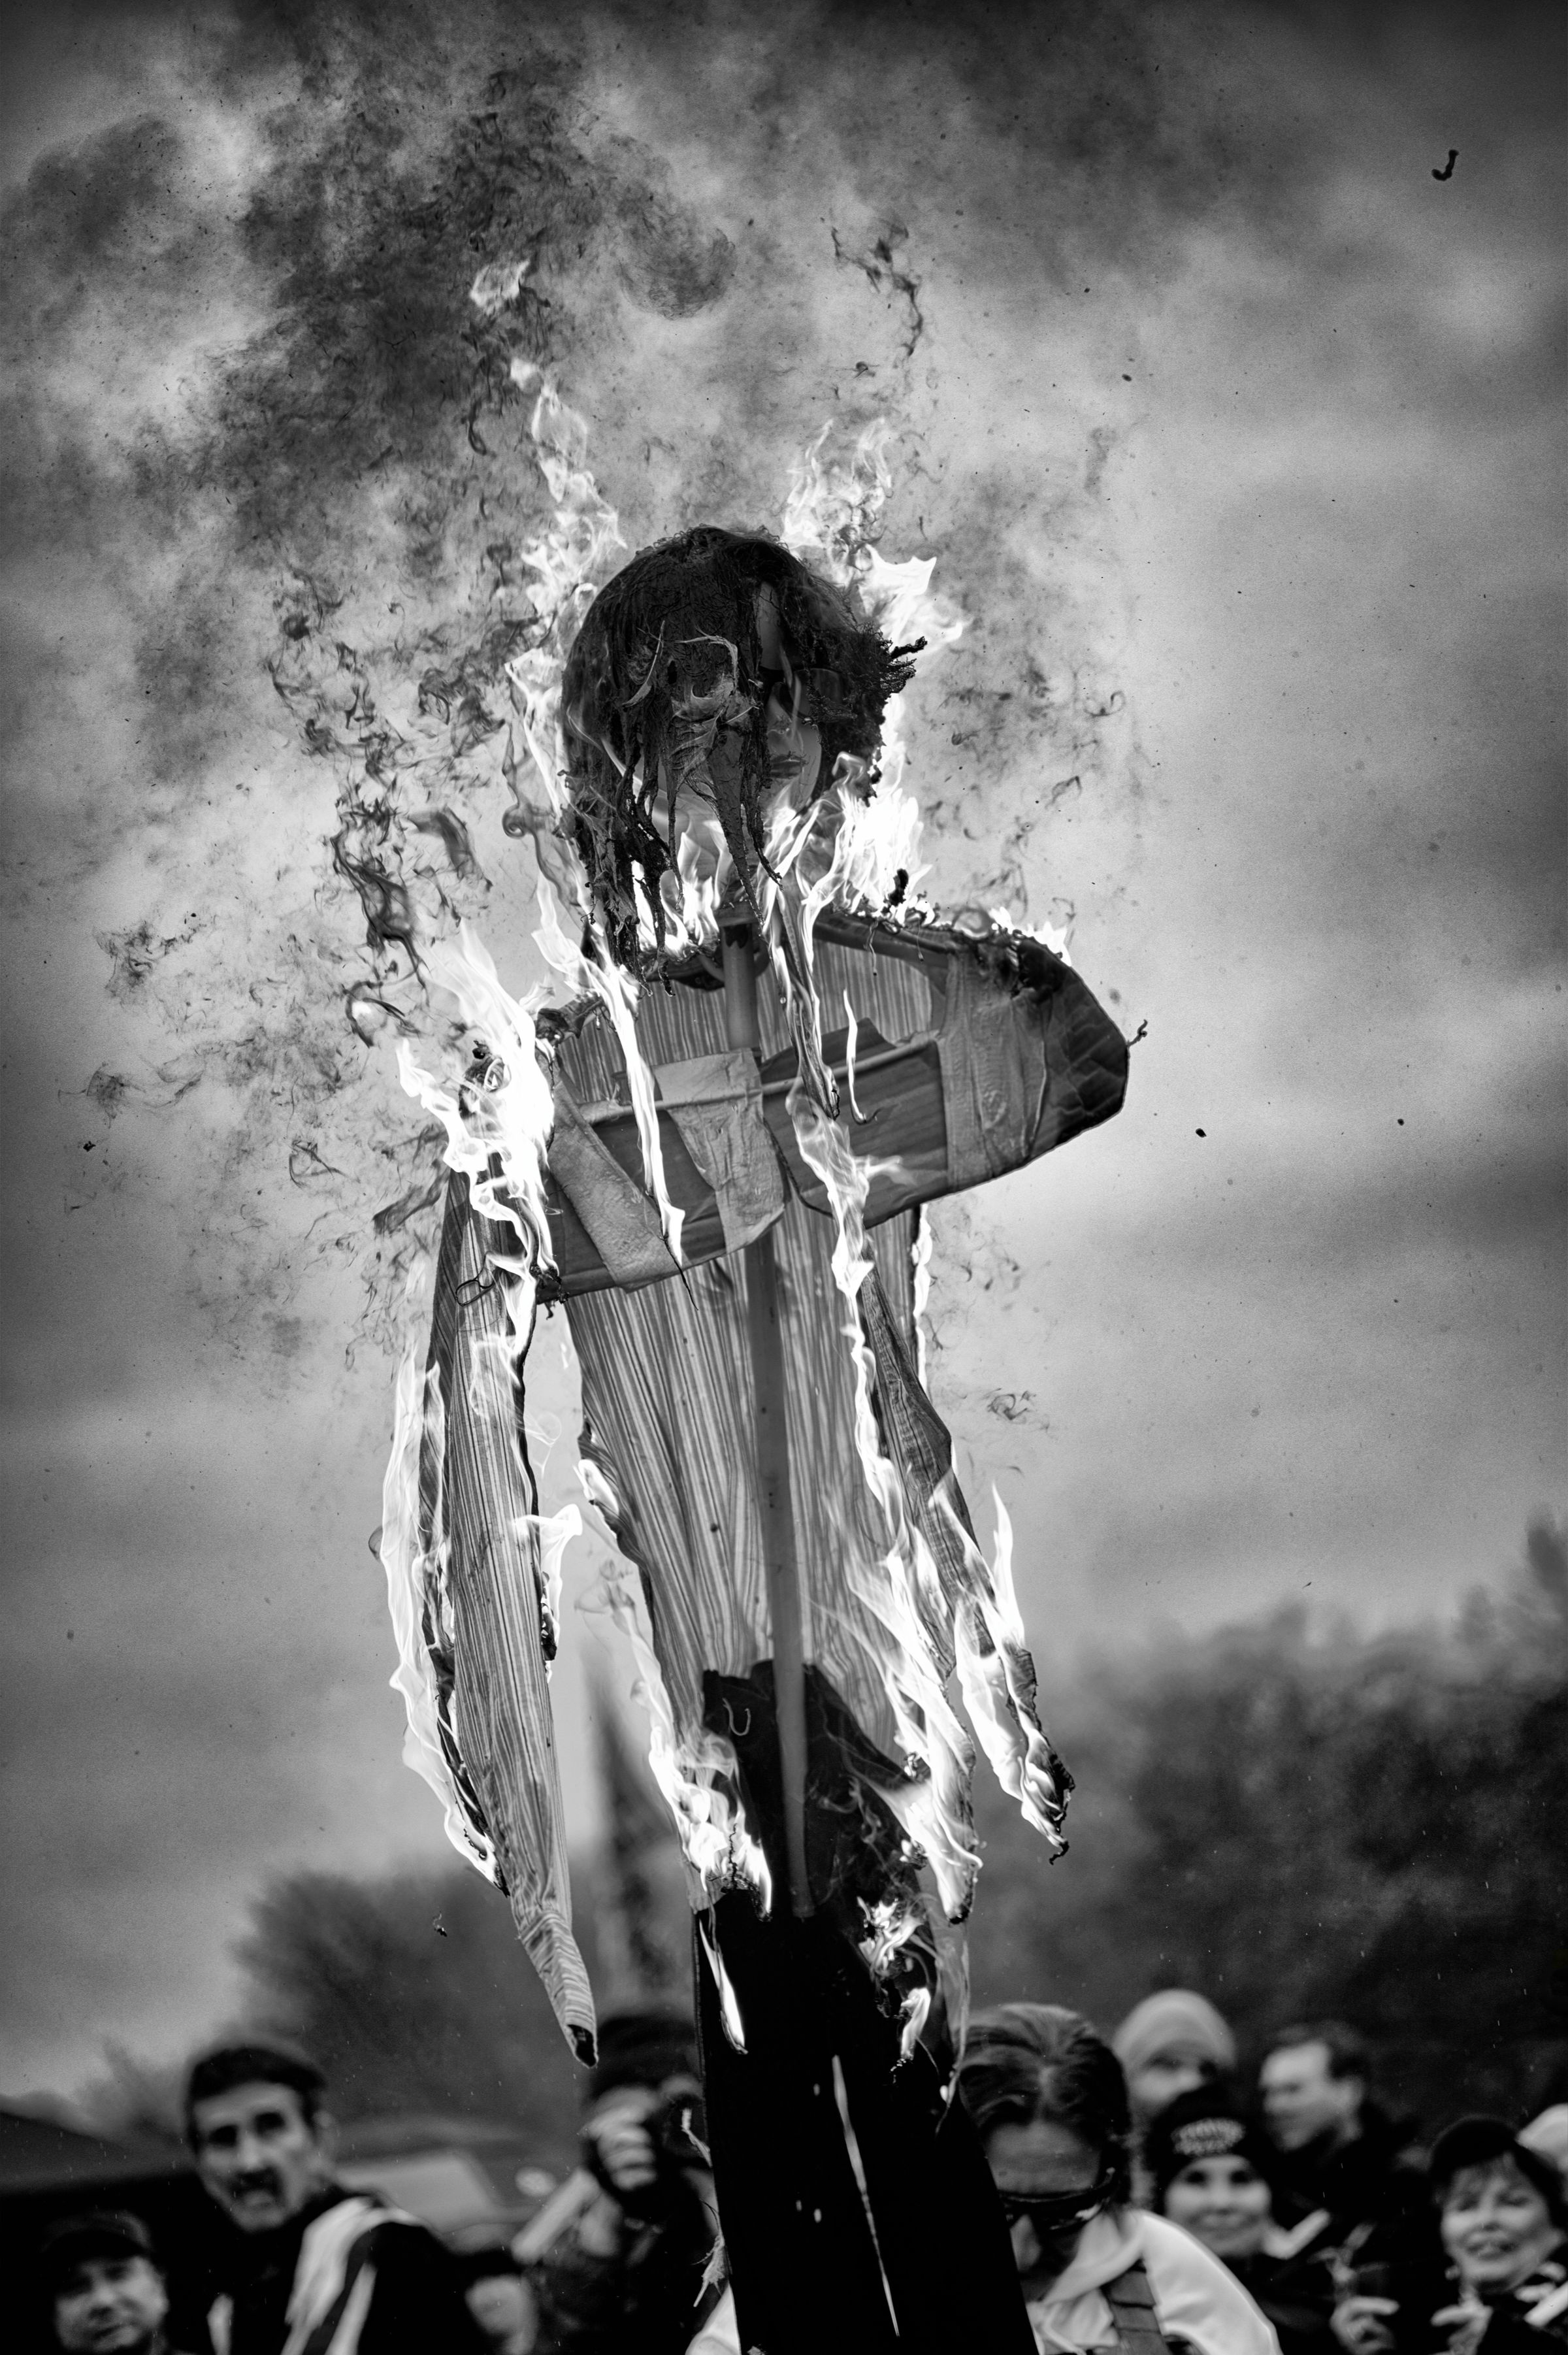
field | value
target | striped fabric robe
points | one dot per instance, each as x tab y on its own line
668	1404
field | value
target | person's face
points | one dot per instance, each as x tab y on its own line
1223	2202
1301	2099
111	2305
1181	2070
1495	2227
1042	2160
503	2306
259	2155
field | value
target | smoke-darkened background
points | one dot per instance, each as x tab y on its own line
1232	427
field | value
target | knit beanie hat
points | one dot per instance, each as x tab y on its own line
1205	2124
1174	2021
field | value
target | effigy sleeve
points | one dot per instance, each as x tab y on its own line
498	1564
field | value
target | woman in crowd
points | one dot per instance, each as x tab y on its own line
1171	2043
1212	2173
1050	2101
1504	2223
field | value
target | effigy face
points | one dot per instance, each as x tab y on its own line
714	690
704	776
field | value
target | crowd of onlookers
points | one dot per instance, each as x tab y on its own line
1150	2208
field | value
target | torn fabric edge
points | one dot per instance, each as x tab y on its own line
945	1606
488	1564
973	1620
697	1774
415	1600
934	1806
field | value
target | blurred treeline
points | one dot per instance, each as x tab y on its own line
1308	1820
1297	1818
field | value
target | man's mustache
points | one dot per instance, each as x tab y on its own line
256	2179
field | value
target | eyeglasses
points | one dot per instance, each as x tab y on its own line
1057	2212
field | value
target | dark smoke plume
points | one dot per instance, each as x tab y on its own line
264	435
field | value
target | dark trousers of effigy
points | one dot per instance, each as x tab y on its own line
809	2276
908	2250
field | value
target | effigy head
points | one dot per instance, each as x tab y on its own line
713	682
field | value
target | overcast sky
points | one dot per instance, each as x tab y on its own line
1235	433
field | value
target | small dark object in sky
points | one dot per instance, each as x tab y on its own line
1200	1132
1140	1034
1447	171
438	1926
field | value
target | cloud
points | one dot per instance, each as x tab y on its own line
1226	425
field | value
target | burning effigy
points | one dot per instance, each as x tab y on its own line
712	1158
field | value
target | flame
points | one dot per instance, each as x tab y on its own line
916	2012
920	1264
1057	938
618	993
852	1042
497	1117
932	1808
696	1776
999	1683
832	520
415	1595
498	1122
583	535
834	507
855	846
550	1534
691	899
497	286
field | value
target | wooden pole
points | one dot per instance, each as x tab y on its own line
783	1576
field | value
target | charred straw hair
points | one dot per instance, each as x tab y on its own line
1028	2061
669	652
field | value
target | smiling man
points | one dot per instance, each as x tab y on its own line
315	2266
104	2289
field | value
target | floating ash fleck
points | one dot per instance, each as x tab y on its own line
107	1090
